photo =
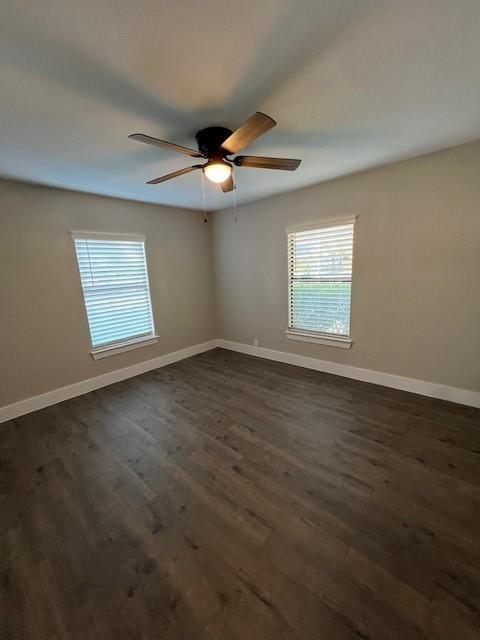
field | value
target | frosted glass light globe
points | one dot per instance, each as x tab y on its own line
218	171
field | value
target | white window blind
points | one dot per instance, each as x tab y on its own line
320	279
114	277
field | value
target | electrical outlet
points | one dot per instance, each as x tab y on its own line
255	342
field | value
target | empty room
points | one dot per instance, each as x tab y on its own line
240	320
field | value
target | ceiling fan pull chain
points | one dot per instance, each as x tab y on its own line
205	219
234	195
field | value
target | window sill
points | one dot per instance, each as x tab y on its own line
128	345
342	342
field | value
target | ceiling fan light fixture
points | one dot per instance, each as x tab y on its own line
217	171
215	144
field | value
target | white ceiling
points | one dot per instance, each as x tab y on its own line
351	83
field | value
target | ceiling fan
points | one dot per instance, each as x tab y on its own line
215	144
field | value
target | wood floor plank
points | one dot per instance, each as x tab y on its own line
226	496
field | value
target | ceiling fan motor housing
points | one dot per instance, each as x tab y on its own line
210	139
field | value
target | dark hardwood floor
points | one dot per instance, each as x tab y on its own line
227	497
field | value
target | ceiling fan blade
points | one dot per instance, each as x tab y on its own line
140	137
253	128
259	162
175	174
228	184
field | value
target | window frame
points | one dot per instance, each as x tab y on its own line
319	337
133	342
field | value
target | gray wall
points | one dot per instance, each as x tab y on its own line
44	338
416	274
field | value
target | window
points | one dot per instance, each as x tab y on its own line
320	282
114	277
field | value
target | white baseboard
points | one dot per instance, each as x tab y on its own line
28	405
421	387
